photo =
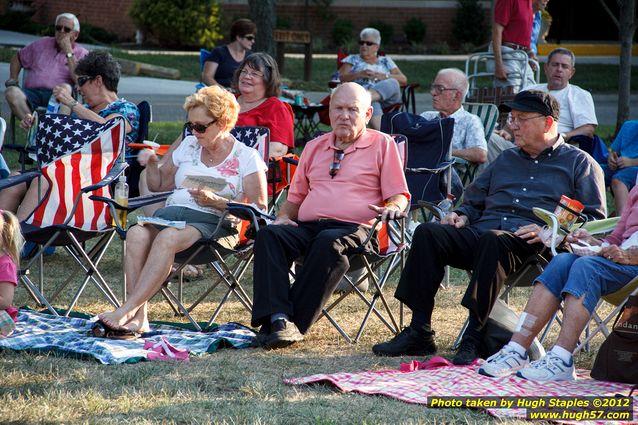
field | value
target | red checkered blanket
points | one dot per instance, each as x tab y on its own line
417	381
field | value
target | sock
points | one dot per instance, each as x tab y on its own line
564	355
421	321
278	316
515	346
474	328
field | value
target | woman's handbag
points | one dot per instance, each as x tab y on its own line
617	359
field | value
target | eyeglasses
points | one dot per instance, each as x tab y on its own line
62	28
249	37
200	128
83	79
367	43
438	89
518	120
336	162
252	74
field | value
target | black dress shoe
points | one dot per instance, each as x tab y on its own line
409	342
282	334
468	351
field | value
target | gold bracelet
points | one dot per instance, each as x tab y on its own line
393	204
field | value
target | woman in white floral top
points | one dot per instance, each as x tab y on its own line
378	74
238	174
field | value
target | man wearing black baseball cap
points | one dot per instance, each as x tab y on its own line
494	230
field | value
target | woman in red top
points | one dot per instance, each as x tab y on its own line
258	83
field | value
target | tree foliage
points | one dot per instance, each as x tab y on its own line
179	22
469	22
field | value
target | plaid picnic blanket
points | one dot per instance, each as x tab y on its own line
45	332
416	382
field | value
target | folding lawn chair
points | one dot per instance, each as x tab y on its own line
479	68
134	168
378	267
78	158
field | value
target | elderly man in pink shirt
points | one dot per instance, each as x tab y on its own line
50	62
344	180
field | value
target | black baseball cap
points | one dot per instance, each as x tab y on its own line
533	101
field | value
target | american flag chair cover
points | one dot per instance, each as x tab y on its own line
378	266
229	267
78	158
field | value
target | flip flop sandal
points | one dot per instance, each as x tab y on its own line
102	330
163	351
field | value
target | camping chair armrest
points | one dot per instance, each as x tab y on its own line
133	203
396	239
247	212
290	160
444	166
118	168
19	178
436	211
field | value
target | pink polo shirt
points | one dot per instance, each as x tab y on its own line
46	64
370	173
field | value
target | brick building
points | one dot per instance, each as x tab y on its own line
112	14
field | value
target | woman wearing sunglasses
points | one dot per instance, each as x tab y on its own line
378	74
224	60
236	171
98	75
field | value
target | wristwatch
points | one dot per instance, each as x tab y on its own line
69	55
73	104
11	82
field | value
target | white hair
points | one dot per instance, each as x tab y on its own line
373	33
458	77
70	17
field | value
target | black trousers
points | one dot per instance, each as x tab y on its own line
325	246
490	255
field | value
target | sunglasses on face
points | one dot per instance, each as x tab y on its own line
62	28
83	79
249	37
200	128
367	43
336	162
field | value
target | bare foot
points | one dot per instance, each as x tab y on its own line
115	319
139	323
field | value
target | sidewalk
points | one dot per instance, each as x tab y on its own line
167	96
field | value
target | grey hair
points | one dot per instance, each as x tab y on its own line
562	51
70	17
459	78
373	33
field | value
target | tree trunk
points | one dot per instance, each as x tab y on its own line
627	28
264	14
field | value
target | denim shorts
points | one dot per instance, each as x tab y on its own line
626	175
588	278
37	97
206	223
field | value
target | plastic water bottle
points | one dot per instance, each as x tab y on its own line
121	197
446	204
335	78
53	106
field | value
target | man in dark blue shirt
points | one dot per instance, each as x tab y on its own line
495	231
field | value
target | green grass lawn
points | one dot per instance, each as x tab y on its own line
230	386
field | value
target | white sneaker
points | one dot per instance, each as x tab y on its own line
505	362
549	368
